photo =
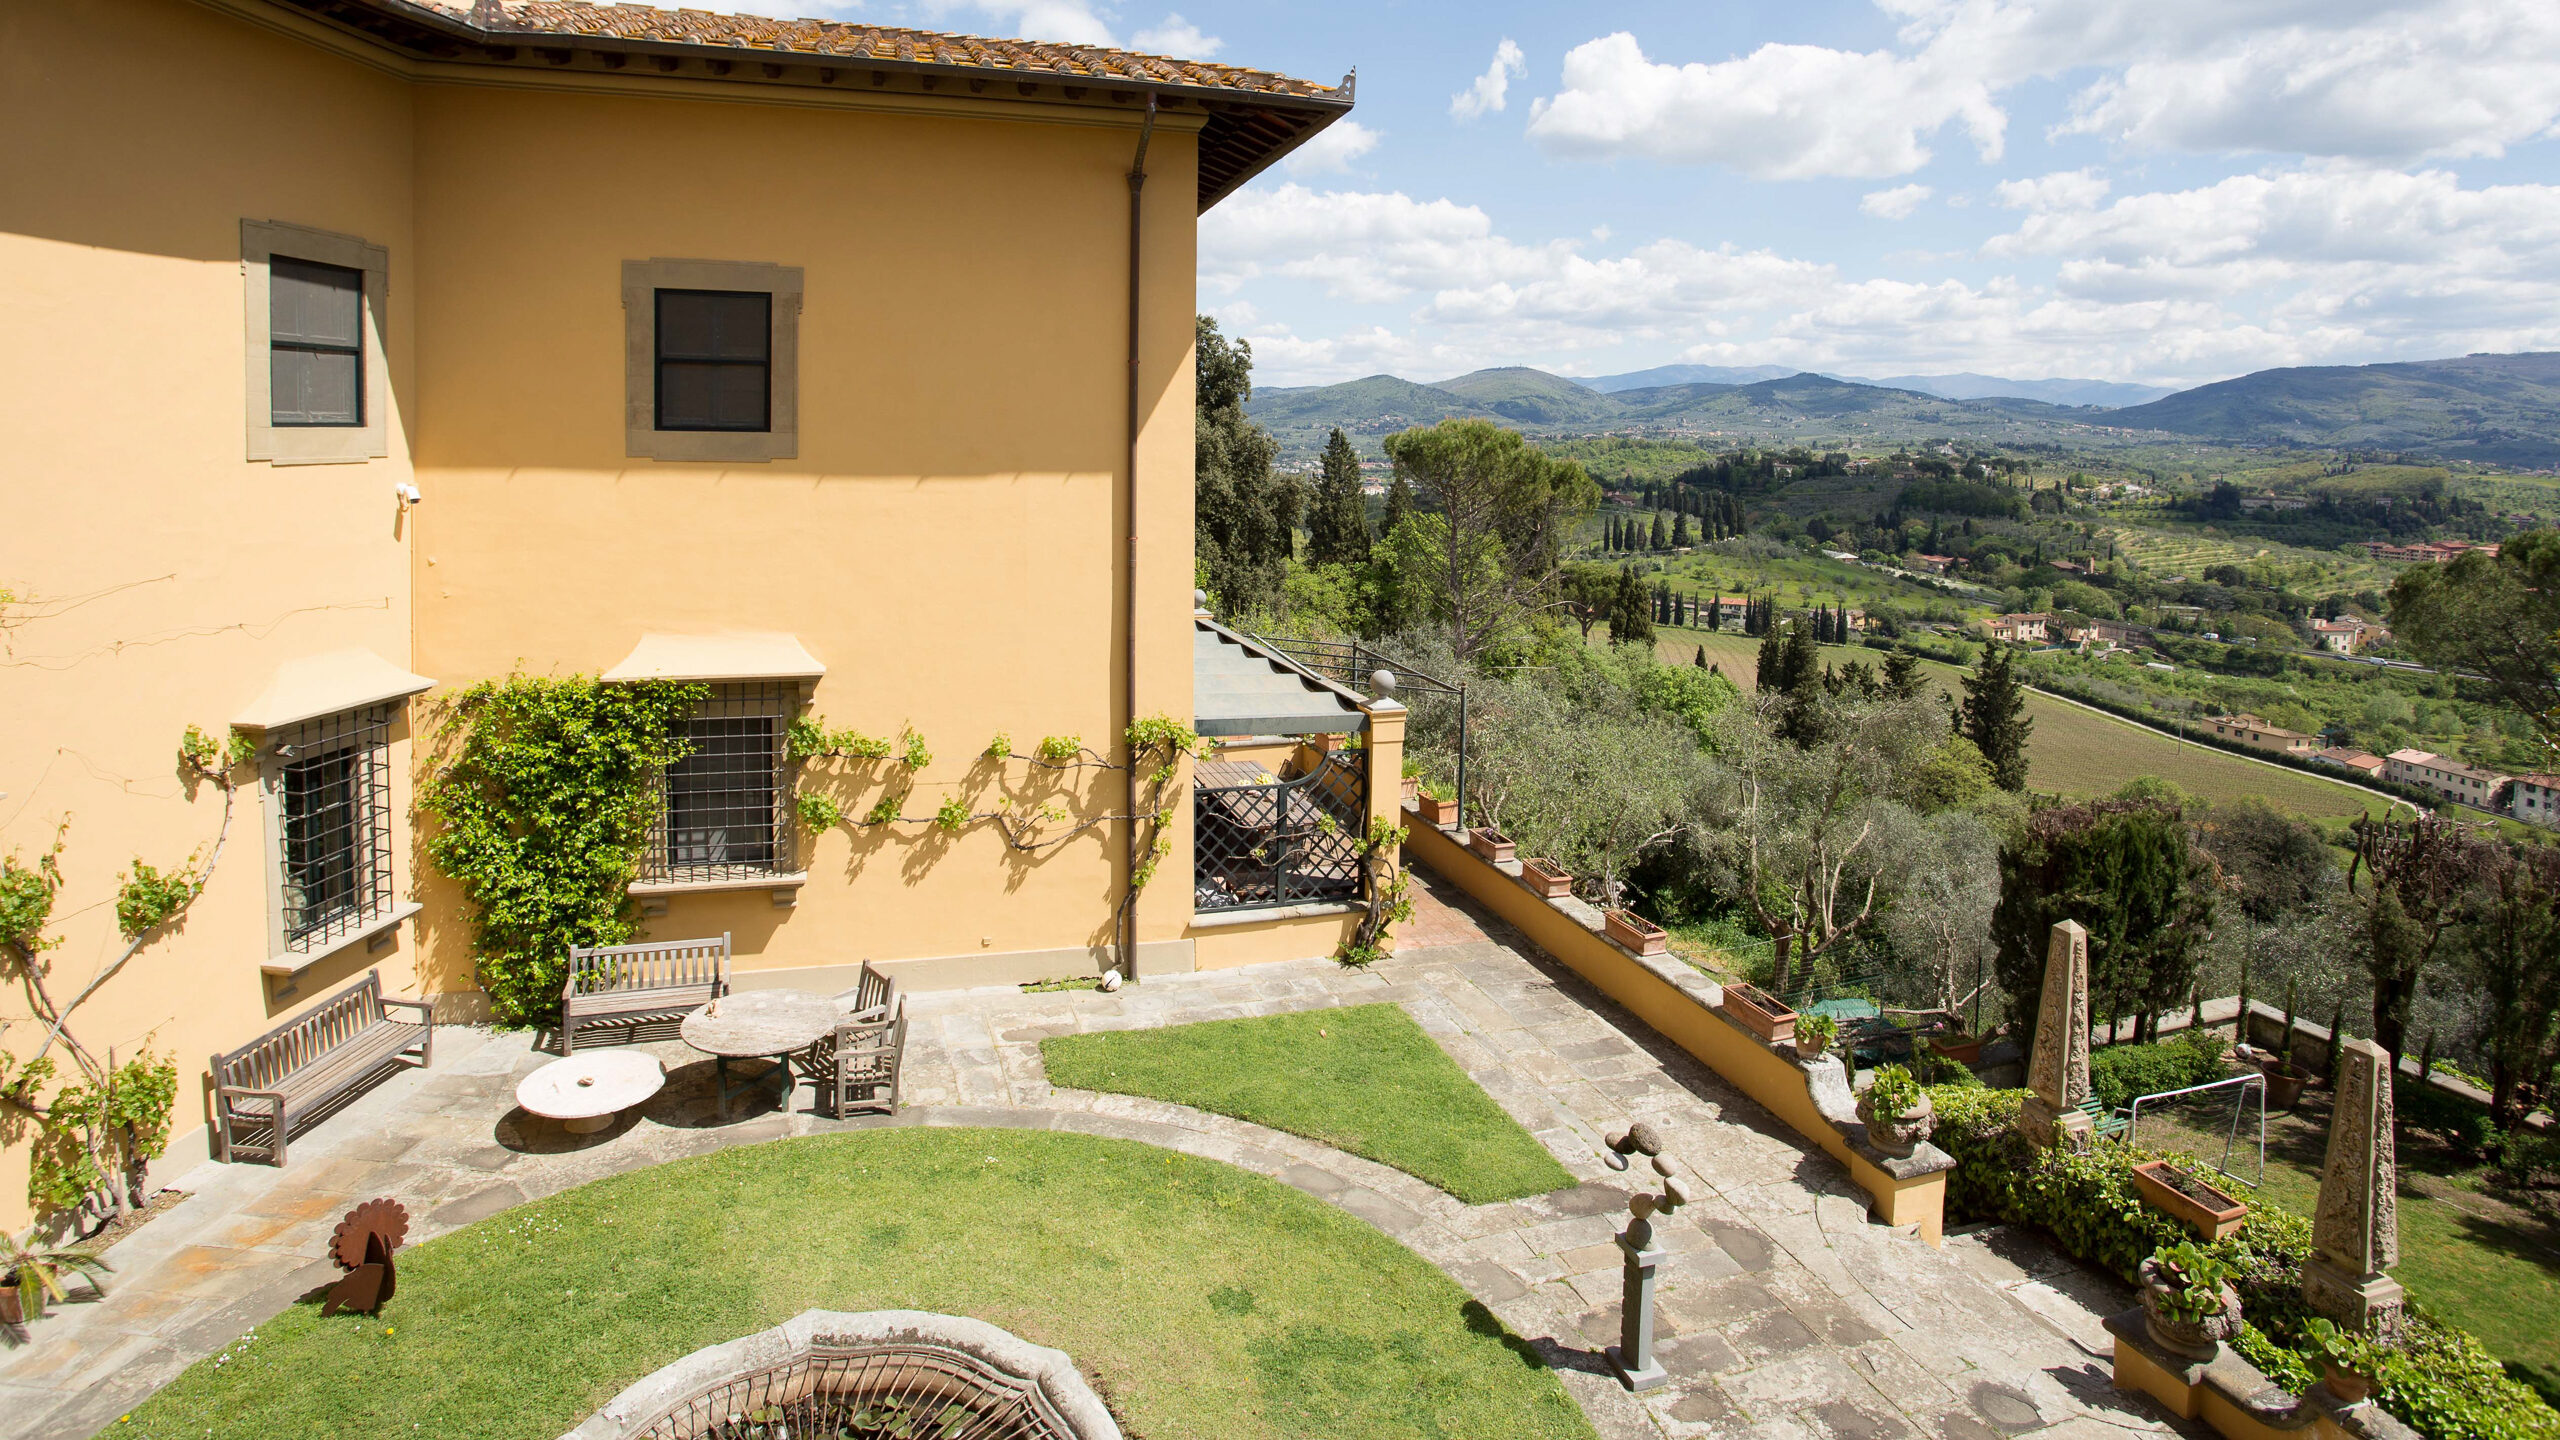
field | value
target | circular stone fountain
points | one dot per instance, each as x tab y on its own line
880	1373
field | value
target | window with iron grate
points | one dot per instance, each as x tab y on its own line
728	803
334	783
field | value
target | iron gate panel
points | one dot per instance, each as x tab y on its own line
1281	842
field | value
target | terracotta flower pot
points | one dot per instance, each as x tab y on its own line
2350	1387
1412	789
1546	877
12	1311
1635	932
1963	1049
2284	1090
1760	1013
1808	1048
2197	1339
1439	812
2189	1199
1898	1135
1491	844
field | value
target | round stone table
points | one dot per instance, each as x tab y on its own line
585	1092
759	1024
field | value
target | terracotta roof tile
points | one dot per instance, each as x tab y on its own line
853	41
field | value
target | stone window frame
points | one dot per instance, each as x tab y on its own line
642	439
260	242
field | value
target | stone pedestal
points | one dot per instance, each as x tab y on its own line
2048	1128
2372	1302
1632	1357
2058	1070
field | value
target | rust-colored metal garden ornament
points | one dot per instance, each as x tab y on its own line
363	1245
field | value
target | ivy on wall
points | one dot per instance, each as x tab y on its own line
543	793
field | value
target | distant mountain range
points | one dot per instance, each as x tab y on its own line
2497	409
1963	386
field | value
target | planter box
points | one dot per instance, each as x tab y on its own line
1439	812
1546	877
1635	932
1412	789
1490	843
2207	1211
1761	1013
1964	1049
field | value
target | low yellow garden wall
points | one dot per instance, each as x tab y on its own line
1682	1004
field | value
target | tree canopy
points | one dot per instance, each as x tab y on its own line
1244	514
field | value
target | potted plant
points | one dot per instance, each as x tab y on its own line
1635	932
1412	779
1546	877
2347	1360
1896	1110
2186	1197
1961	1048
1491	844
2284	1081
29	1273
2188	1300
1814	1034
1439	803
1760	1012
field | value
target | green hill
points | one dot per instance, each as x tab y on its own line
2499	409
1531	397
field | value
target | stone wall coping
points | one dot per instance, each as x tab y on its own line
2248	1390
1825	1079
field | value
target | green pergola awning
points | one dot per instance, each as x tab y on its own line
1239	687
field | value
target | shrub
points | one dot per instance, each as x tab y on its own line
2440	1380
2528	1155
2119	1073
2460	1123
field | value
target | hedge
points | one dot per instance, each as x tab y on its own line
2118	1074
2442	1381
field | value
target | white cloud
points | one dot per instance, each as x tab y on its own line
1781	112
2376	80
1332	150
2314	264
1493	86
1180	39
1073	22
1897	203
2061	190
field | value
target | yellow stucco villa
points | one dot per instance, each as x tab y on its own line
358	351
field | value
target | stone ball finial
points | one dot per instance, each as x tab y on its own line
1199	599
1383	681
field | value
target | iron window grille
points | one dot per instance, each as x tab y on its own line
336	785
315	343
715	360
727	811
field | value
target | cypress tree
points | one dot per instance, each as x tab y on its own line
1902	676
1661	536
1338	522
1399	502
1680	530
1995	719
1772	664
1628	623
1701	661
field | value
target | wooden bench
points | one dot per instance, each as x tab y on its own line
627	984
297	1069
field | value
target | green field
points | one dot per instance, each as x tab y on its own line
2079	752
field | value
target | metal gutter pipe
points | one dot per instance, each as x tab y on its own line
1128	937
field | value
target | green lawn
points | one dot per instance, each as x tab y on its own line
1364	1079
1204	1301
2073	751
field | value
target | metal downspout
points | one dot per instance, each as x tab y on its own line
1129	861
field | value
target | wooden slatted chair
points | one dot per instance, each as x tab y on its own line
273	1085
874	997
856	1066
629	984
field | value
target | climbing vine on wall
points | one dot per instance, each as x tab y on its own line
92	1138
1388	889
543	791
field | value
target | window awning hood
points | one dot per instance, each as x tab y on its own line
317	685
734	655
1241	688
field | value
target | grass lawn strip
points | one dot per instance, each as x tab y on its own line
1364	1079
1202	1300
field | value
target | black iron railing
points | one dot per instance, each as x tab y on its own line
1267	841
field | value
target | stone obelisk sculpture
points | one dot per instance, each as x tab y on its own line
2058	1071
2355	1232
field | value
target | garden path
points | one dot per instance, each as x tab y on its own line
1787	1312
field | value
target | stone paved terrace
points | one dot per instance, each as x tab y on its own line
1787	1312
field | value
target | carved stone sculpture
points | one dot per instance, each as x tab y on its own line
2355	1231
2058	1071
1632	1357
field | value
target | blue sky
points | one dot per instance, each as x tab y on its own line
2166	191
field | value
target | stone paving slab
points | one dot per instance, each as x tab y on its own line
1785	1313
